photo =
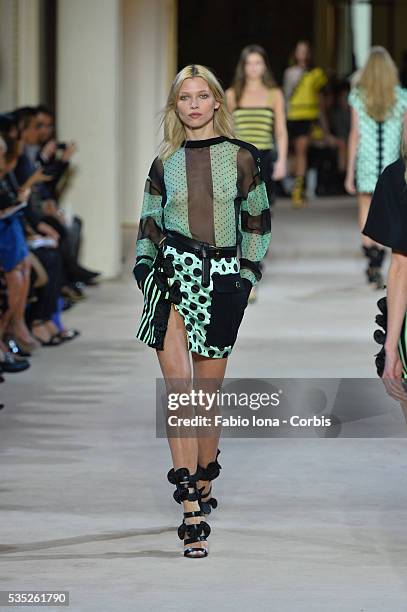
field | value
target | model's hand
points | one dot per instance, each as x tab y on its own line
280	170
140	272
247	285
350	184
393	368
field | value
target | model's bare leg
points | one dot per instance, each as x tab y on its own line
364	200
14	281
176	368
17	326
301	145
374	252
208	374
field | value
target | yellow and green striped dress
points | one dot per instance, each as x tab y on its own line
255	124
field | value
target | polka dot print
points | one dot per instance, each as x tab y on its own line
195	307
375	138
224	180
222	204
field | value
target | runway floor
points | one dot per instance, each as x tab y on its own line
302	524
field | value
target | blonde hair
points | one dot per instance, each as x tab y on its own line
377	82
174	130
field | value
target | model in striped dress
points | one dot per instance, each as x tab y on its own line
257	105
204	197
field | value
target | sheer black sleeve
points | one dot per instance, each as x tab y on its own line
255	218
150	227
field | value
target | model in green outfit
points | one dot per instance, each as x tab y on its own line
204	229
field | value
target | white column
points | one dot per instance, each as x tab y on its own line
19	53
148	68
88	60
8	55
362	31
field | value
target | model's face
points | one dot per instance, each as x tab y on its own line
254	66
196	103
302	53
46	127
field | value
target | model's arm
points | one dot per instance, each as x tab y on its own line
280	166
150	228
255	218
323	119
230	99
352	147
396	312
287	84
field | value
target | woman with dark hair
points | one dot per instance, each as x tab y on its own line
305	109
257	107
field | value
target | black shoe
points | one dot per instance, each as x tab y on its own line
92	282
187	491
212	471
68	334
55	340
375	278
375	256
11	366
82	275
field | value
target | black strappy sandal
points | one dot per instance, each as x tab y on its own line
212	471
196	532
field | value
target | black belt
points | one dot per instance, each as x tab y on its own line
203	250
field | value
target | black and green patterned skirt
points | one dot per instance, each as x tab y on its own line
204	285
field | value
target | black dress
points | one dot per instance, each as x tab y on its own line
387	224
387	219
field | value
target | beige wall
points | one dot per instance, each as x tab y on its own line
148	67
115	62
19	53
114	67
88	110
8	55
28	75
